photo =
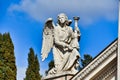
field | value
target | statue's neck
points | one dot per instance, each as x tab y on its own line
63	25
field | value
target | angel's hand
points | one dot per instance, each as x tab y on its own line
70	48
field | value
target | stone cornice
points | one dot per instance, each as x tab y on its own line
97	61
109	71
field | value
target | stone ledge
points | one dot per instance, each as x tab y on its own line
59	76
112	49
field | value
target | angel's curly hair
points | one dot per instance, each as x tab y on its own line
62	14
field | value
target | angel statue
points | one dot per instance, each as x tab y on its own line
63	40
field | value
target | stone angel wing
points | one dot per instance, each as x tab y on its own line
48	33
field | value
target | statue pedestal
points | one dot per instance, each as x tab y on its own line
61	76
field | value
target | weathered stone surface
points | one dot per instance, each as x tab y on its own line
62	76
64	42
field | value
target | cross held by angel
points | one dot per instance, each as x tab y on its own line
64	42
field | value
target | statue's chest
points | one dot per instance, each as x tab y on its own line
64	34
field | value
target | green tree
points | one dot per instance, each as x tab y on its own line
7	58
37	68
51	65
32	72
87	59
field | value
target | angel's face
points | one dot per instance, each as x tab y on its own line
62	19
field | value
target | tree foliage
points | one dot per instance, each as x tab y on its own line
37	68
51	65
87	59
32	72
8	69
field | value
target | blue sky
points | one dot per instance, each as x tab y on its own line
24	20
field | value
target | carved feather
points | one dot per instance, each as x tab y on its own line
48	33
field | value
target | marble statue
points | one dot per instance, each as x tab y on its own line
63	41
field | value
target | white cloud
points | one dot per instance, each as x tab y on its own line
21	73
89	10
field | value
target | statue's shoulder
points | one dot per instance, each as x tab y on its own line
70	28
57	27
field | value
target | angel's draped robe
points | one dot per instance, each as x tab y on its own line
65	60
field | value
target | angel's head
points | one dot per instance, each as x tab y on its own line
62	18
